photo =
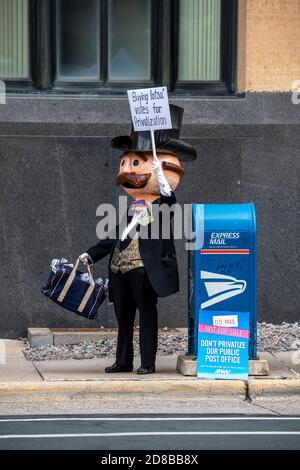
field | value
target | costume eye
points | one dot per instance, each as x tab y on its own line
135	162
122	162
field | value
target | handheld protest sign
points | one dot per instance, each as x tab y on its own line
150	109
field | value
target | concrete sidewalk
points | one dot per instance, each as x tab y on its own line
19	376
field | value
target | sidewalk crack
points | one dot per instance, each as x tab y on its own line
33	363
247	392
285	364
266	408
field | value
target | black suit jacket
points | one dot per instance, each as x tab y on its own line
158	255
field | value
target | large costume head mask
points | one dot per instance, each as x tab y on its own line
135	171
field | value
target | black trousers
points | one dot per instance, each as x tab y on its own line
132	291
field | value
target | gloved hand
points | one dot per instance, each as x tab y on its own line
86	259
164	186
156	166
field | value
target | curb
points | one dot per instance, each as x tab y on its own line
273	387
60	336
204	388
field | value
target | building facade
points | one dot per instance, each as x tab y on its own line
65	66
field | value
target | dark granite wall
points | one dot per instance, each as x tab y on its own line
56	167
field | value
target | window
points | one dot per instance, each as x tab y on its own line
199	40
14	39
106	46
77	40
129	40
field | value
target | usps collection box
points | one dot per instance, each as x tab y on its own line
222	288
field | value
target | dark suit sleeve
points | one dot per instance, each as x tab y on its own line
102	248
170	200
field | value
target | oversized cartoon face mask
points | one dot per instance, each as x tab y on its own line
136	177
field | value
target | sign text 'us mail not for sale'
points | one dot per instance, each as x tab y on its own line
150	109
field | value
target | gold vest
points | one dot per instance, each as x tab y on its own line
127	259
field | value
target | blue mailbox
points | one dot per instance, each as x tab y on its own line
222	266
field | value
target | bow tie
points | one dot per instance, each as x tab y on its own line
138	205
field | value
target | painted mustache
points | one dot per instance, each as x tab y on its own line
132	179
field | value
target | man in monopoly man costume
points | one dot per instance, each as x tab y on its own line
140	268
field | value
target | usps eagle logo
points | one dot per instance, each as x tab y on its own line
221	287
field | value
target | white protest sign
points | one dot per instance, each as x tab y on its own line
150	109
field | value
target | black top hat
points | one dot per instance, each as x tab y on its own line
165	140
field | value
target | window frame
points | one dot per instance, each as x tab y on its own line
104	85
164	59
227	84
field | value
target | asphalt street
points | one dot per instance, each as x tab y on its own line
146	432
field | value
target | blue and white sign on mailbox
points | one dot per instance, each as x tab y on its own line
222	269
223	345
